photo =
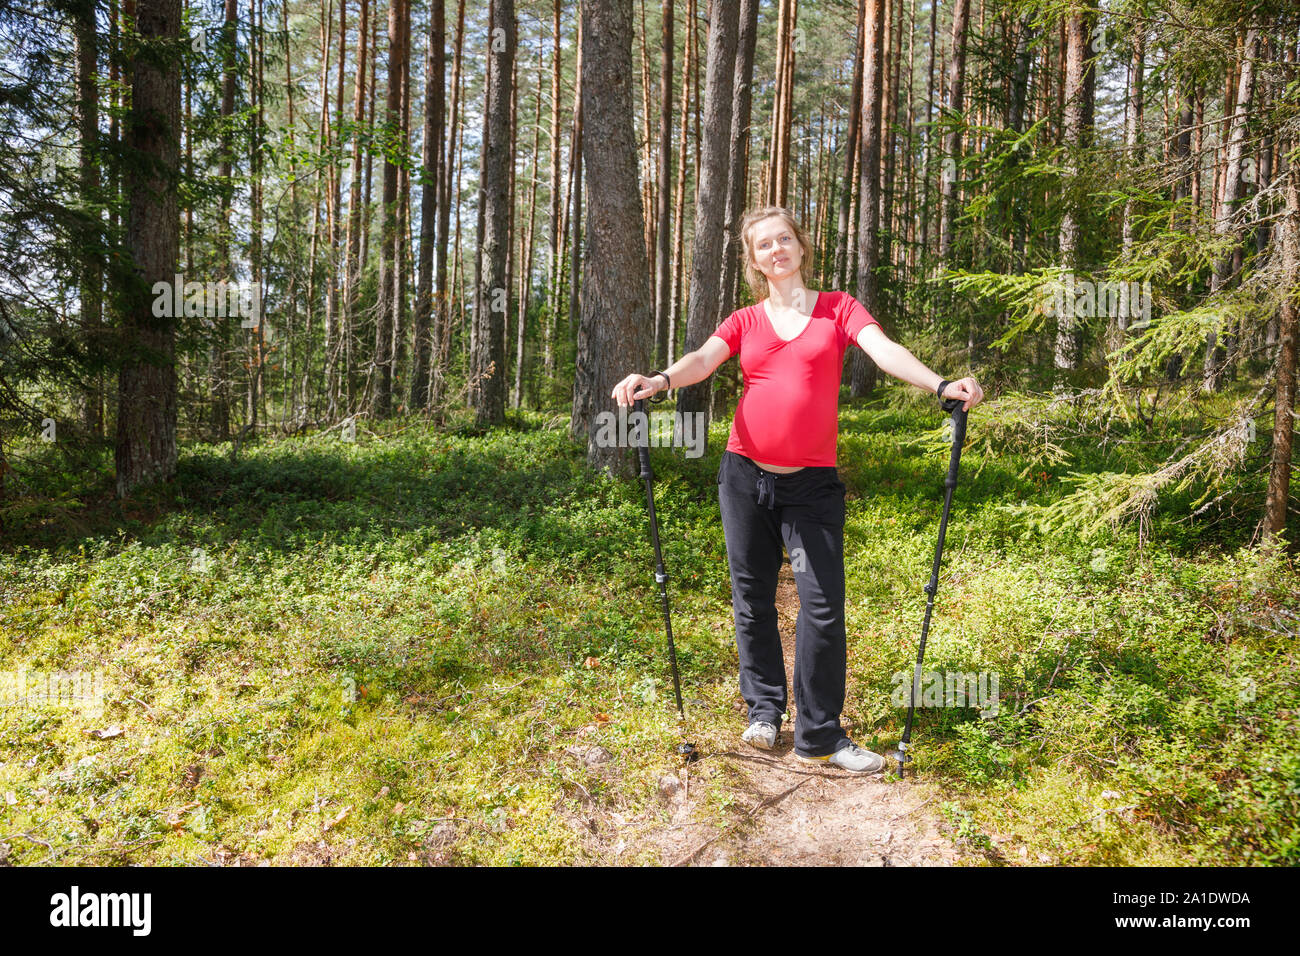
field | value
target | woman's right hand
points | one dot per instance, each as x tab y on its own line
636	387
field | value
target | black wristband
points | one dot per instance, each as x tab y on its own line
942	385
662	396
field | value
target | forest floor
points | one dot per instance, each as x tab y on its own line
791	813
442	646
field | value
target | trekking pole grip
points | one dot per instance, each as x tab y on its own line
953	407
643	451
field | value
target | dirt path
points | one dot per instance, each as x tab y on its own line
790	813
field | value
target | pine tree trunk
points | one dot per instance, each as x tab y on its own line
889	118
401	241
927	166
679	202
862	379
443	303
219	372
334	259
1265	165
1213	366
91	279
352	271
738	152
508	286
487	370
616	327
1017	105
386	310
430	178
321	146
711	204
294	406
779	161
952	141
1073	135
646	138
1132	132
553	264
147	398
850	156
256	346
575	265
663	229
526	247
1284	398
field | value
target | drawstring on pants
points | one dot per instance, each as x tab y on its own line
767	488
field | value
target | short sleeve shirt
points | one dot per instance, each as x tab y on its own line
788	412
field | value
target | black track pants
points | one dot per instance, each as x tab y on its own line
804	511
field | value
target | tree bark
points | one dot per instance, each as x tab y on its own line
850	155
1224	226
1132	144
952	141
91	277
554	266
442	312
1074	134
386	310
219	375
352	271
711	204
487	370
778	188
430	178
738	152
147	399
663	230
679	202
617	322
526	248
863	371
1279	476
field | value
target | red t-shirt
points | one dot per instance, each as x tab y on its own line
788	412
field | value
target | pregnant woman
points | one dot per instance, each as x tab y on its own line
778	484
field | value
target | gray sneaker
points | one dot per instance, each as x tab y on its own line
852	758
760	734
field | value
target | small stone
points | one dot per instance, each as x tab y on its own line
670	788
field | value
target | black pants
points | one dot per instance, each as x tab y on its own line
804	510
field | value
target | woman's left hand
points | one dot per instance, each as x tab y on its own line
966	388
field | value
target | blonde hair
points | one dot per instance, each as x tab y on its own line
753	277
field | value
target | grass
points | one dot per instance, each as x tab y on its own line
398	650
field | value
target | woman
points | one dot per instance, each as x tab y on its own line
778	482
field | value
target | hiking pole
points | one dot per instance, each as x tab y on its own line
686	750
952	406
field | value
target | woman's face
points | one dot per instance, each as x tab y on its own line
775	249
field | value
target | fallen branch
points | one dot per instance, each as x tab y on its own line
768	802
913	810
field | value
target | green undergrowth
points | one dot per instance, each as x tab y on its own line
408	648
